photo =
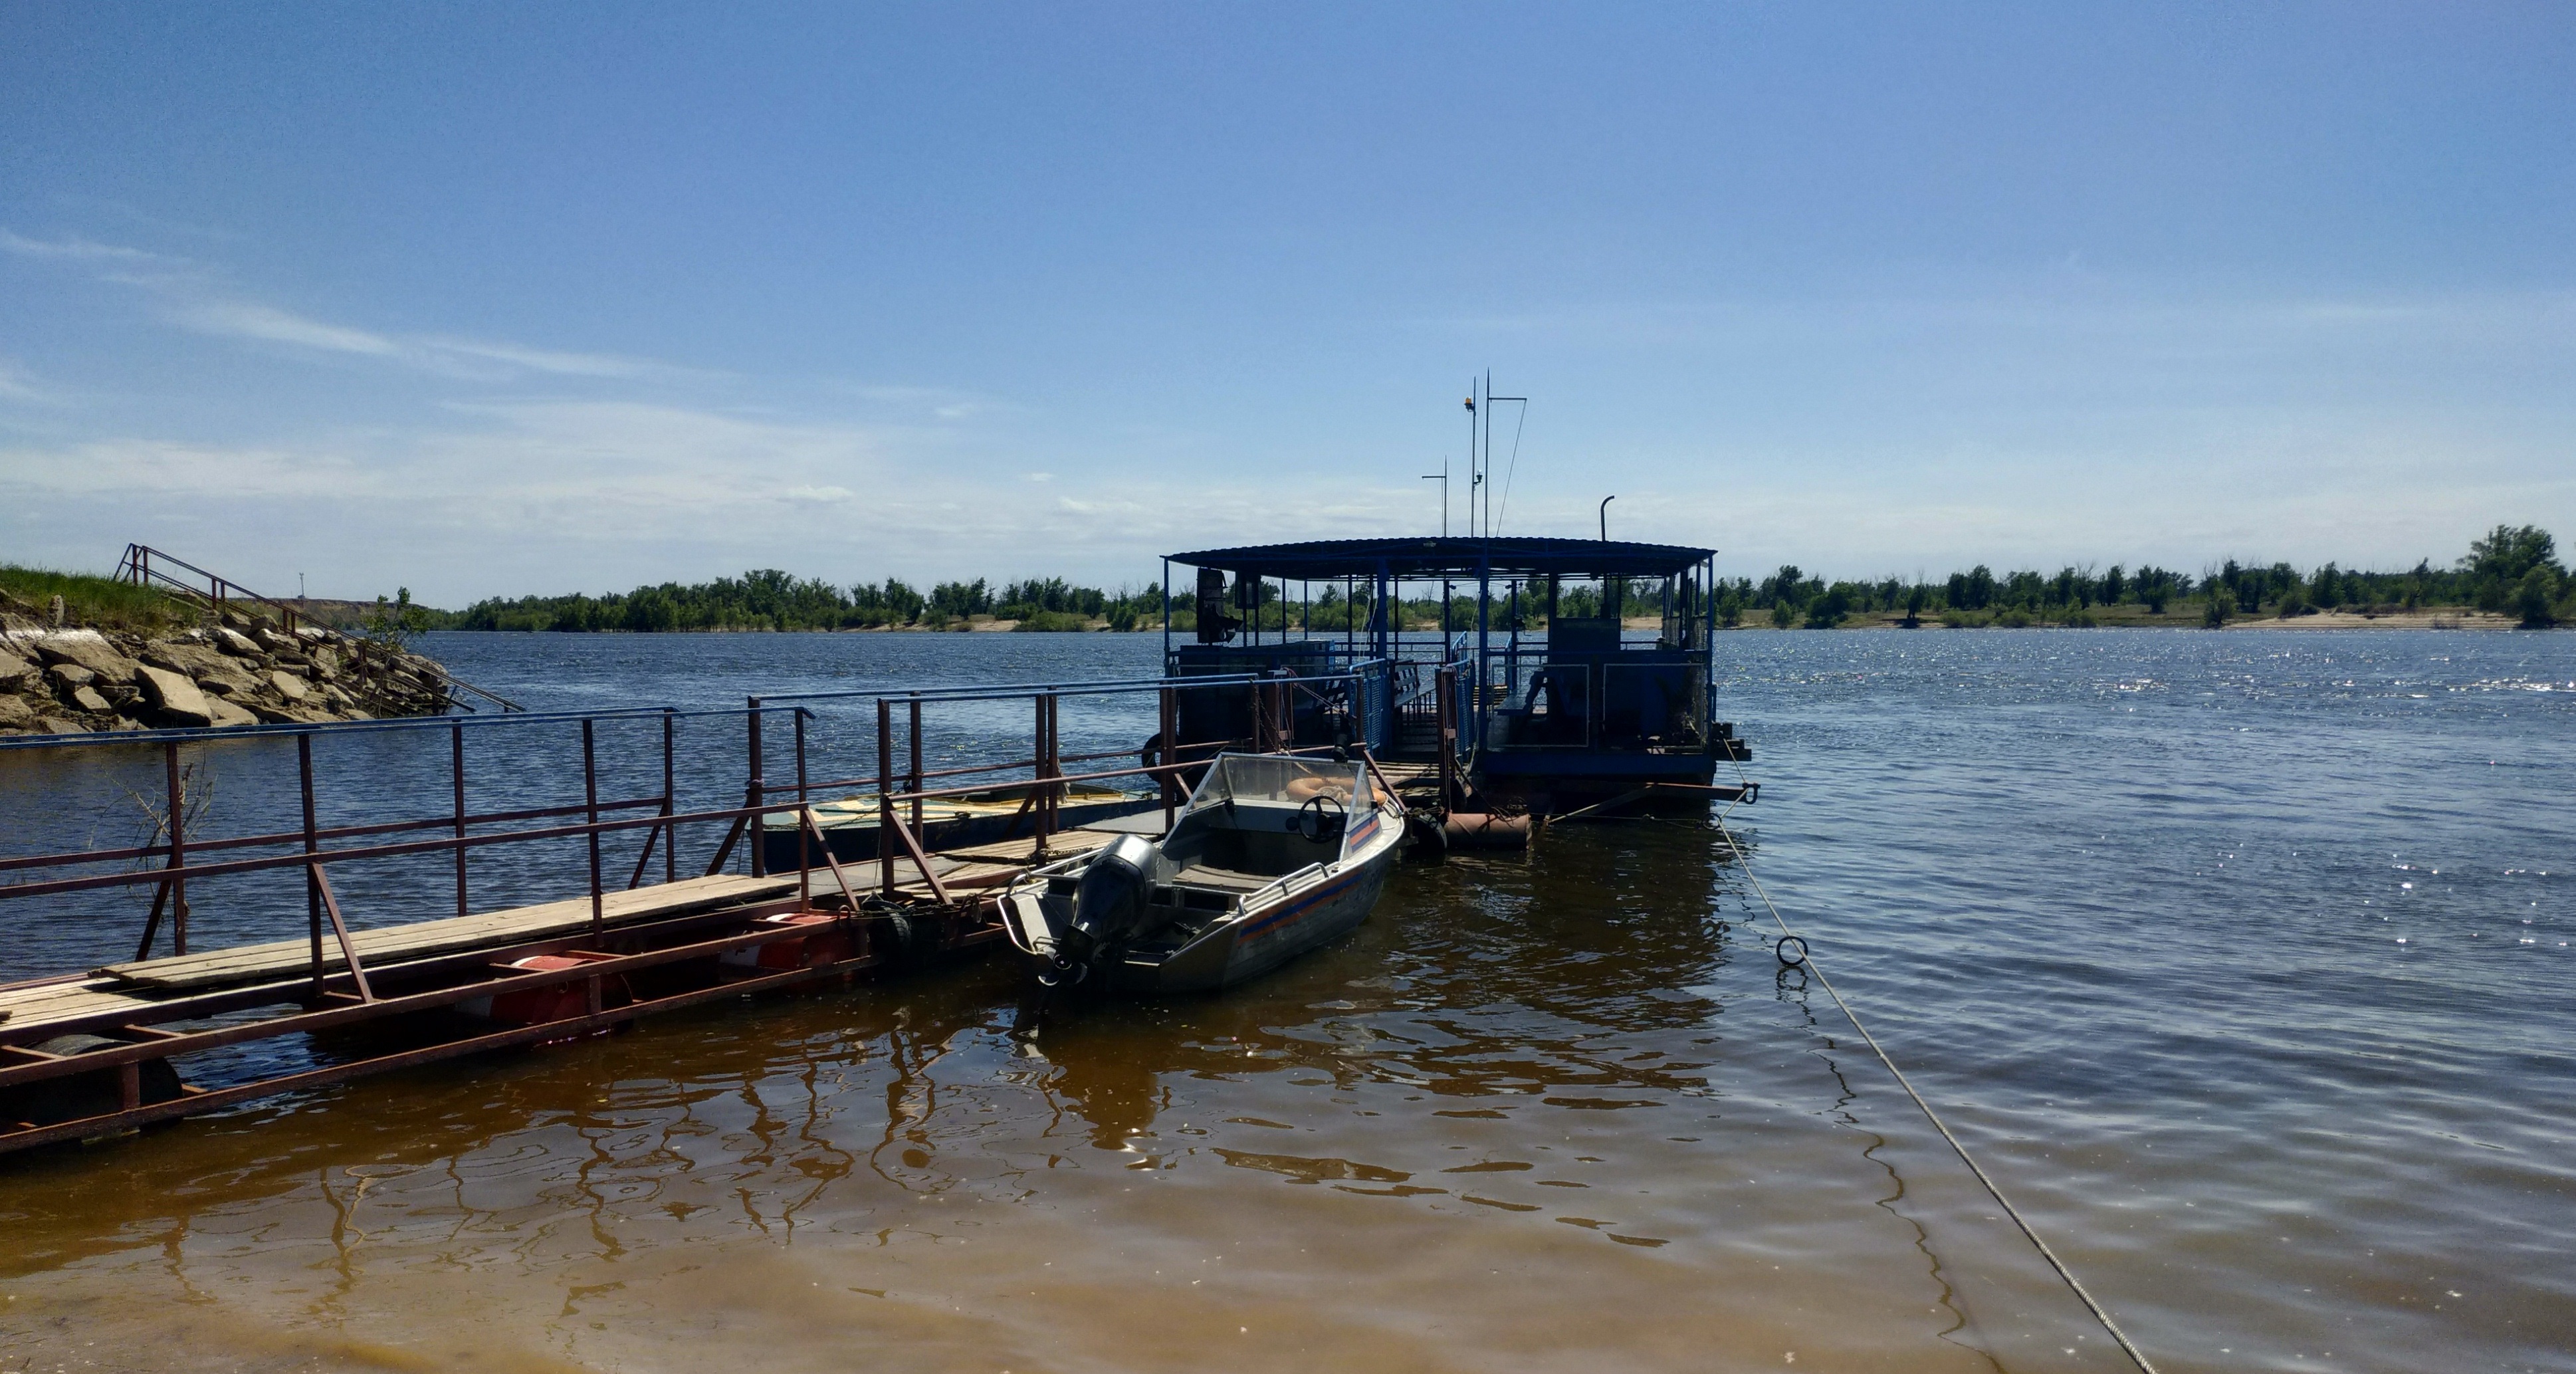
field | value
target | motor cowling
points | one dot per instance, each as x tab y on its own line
1109	904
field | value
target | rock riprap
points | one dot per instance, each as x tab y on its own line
234	670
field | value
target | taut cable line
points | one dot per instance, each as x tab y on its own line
2099	1312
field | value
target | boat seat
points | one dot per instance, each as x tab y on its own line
1221	879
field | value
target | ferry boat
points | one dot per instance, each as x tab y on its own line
1577	677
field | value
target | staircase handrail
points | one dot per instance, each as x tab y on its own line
137	567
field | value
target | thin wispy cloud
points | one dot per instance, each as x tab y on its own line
267	323
75	249
551	361
194	302
20	385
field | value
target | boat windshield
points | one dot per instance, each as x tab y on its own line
1274	778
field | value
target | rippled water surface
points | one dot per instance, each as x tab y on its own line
2241	959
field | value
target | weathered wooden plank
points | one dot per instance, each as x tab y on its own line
81	1000
1062	844
252	963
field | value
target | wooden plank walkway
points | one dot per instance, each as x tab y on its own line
279	959
138	991
1063	844
992	865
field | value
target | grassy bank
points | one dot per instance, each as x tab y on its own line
89	599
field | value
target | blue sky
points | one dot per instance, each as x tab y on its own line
493	299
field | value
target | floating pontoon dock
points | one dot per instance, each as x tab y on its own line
115	1046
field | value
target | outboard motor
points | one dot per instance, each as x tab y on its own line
1109	906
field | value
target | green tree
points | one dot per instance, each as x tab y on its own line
2532	596
2508	554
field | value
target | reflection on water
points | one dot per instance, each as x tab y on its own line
1563	1111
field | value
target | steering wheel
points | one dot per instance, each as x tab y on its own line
1322	823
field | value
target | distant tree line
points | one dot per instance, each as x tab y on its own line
769	599
2512	570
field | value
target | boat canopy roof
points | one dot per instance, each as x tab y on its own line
1464	557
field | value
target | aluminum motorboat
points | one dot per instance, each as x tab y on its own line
1273	855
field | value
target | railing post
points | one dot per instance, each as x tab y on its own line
1169	782
804	804
178	850
1038	774
312	880
456	768
1445	681
670	835
752	796
590	798
915	784
885	796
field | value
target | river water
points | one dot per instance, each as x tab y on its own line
2241	959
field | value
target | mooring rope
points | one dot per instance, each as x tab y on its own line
1930	1115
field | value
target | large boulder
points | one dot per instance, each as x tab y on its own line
191	659
15	673
88	699
88	649
289	686
175	700
226	713
236	643
16	714
212	671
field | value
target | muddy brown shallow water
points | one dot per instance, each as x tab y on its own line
1562	1112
